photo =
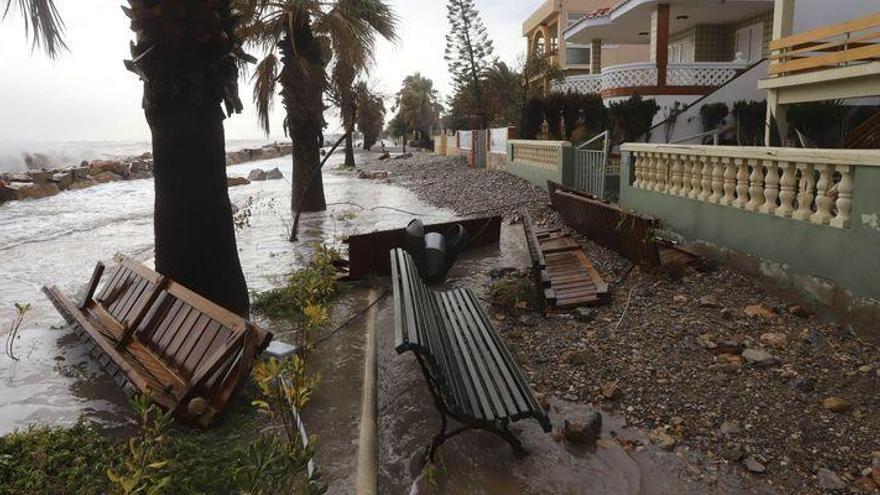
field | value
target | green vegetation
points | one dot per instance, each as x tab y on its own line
569	116
713	115
370	114
418	110
516	294
751	118
632	118
312	286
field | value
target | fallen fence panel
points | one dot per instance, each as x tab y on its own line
629	234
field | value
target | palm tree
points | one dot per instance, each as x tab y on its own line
301	38
418	107
188	55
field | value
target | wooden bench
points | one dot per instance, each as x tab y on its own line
562	271
155	336
471	374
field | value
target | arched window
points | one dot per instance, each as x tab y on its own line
539	45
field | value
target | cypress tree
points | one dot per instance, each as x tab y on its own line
469	51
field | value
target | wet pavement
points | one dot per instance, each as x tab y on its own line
622	462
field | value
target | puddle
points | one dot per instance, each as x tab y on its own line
57	240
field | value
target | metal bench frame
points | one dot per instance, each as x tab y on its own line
438	382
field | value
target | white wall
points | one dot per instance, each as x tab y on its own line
809	14
689	123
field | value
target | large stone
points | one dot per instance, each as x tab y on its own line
63	179
237	181
113	166
104	177
274	174
583	430
81	183
760	358
663	440
829	481
257	174
774	339
753	466
17	191
760	310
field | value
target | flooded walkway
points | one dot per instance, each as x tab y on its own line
58	240
623	462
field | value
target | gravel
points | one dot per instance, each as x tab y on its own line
686	356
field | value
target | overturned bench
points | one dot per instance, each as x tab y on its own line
470	373
156	337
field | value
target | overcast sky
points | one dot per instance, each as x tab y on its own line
86	94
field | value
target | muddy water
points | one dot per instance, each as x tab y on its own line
623	462
57	241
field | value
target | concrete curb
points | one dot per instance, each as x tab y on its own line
368	443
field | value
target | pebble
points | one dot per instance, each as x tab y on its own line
836	404
709	302
803	384
754	466
774	339
663	440
760	357
828	480
585	315
731	428
732	452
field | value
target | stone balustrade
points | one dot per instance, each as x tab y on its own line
540	154
806	185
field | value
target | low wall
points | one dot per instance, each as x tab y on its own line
540	161
807	219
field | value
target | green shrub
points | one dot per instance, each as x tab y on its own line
751	118
633	117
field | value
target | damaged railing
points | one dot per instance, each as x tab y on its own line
808	185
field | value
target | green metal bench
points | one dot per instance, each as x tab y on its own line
471	374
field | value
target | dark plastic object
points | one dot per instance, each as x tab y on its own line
415	241
435	256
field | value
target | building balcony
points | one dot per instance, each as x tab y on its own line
642	78
832	62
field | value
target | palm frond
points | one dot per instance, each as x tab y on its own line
42	23
265	78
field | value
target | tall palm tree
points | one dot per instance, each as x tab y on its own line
187	54
301	38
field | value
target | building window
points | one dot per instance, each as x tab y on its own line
577	56
749	43
681	51
539	45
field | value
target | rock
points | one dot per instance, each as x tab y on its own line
63	179
875	474
836	404
865	484
367	174
774	339
611	391
528	321
663	440
829	481
731	428
257	174
576	357
17	178
709	302
762	310
585	315
274	174
100	166
753	466
799	311
865	368
811	337
237	181
17	191
583	430
727	314
40	177
729	347
679	298
103	177
81	183
732	452
729	359
803	384
403	156
760	358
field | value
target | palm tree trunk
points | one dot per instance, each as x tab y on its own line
184	56
195	235
302	81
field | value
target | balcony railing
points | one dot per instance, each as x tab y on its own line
641	75
837	45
